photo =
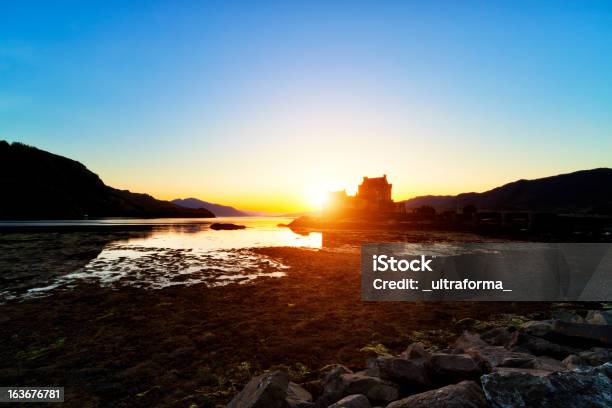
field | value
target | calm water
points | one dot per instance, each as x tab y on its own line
44	256
157	253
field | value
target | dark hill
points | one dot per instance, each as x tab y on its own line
217	209
585	191
39	184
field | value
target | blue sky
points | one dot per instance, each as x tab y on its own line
238	102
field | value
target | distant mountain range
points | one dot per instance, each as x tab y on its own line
227	211
40	185
585	191
217	209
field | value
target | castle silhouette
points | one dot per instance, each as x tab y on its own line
373	199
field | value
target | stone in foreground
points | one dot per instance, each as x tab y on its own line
268	390
352	401
451	368
602	317
272	390
466	394
413	373
579	388
341	382
584	333
372	387
298	397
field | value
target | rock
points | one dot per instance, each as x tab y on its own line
605	369
469	340
522	342
222	226
567	316
298	397
374	388
466	394
580	388
416	351
451	368
546	363
499	336
583	334
335	372
499	356
538	328
333	385
352	401
601	317
412	373
315	388
596	356
268	390
372	371
519	370
573	361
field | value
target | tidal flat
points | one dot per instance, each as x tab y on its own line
180	315
198	345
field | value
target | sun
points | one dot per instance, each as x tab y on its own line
317	198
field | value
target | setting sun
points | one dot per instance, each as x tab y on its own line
317	198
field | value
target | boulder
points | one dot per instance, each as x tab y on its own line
579	388
466	394
567	316
538	328
335	372
524	360
352	401
499	356
298	397
601	317
268	390
596	356
584	334
519	370
416	351
469	340
413	373
499	336
522	342
374	388
371	371
546	363
573	361
333	385
315	388
451	368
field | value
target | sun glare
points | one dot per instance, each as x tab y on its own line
318	198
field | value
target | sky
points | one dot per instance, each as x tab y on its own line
268	105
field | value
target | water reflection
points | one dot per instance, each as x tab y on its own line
154	254
38	257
